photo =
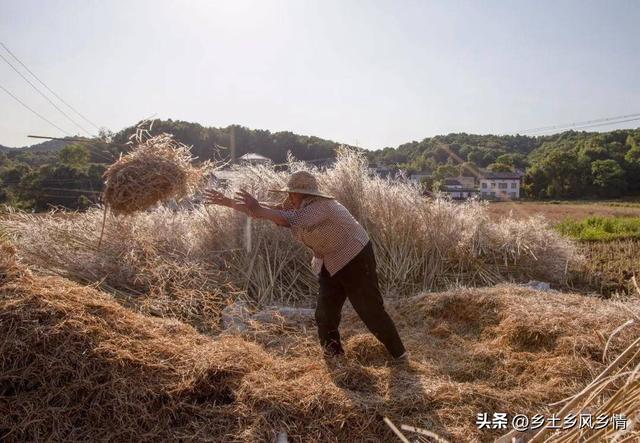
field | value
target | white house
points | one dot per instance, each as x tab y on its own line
459	189
466	182
500	185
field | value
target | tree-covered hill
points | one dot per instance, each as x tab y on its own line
212	143
567	165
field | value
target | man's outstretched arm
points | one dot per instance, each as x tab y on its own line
257	210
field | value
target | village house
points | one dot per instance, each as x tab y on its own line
500	185
459	188
488	185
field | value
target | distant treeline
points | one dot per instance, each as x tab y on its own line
568	165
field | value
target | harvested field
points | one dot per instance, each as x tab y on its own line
556	212
608	267
97	363
76	365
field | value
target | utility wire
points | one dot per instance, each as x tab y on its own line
35	112
48	88
573	128
608	123
597	122
43	94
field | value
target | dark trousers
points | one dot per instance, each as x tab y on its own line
358	280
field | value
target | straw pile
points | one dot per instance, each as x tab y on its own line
432	245
615	392
76	365
177	275
157	169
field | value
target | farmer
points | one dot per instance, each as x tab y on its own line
343	258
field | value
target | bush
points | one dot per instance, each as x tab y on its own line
601	228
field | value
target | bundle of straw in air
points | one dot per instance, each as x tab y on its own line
156	170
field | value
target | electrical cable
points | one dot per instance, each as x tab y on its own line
48	88
35	112
608	120
44	95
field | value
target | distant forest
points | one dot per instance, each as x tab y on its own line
568	165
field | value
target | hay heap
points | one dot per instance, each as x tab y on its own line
76	365
434	245
157	169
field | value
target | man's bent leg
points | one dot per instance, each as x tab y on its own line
360	281
328	313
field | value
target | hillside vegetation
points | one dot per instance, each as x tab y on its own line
568	165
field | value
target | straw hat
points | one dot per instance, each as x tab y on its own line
303	182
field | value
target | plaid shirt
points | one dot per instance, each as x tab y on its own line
329	230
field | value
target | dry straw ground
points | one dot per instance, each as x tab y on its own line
76	365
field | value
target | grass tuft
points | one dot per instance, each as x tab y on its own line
601	228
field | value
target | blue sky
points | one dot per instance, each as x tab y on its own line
371	73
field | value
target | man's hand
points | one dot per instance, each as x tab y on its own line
247	204
216	198
252	205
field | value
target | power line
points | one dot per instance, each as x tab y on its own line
596	122
35	112
608	123
602	123
48	88
44	95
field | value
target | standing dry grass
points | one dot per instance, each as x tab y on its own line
424	244
420	244
177	274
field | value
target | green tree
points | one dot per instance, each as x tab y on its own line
608	178
444	171
476	156
564	173
505	159
632	160
536	182
633	154
500	167
75	156
59	185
